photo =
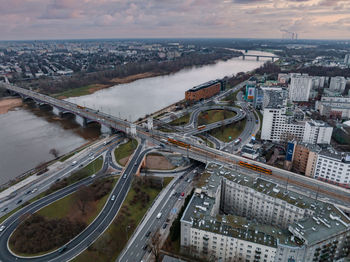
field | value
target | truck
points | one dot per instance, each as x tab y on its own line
159	215
237	141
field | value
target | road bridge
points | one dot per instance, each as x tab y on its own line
273	57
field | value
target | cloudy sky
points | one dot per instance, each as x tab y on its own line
57	19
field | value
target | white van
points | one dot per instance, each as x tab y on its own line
159	215
74	162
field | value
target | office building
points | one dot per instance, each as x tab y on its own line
234	217
204	91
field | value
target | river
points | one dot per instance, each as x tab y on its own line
133	100
27	134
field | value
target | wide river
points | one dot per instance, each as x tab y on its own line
27	134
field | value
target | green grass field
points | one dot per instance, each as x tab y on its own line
181	120
112	242
79	91
125	150
212	116
64	206
233	130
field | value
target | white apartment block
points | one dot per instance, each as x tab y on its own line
260	221
337	84
317	132
300	88
278	125
333	167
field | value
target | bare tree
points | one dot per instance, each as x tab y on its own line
83	197
156	245
54	152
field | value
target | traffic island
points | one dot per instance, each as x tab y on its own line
214	115
56	224
183	120
230	132
124	151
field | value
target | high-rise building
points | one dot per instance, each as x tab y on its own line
300	88
235	217
338	84
317	132
347	59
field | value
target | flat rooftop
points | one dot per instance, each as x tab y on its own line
204	85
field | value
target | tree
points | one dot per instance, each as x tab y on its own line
54	152
83	197
156	245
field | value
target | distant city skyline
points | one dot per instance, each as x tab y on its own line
69	19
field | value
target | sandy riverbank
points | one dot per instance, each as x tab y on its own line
7	104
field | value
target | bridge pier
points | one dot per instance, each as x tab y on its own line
273	59
243	57
80	120
105	129
56	111
257	58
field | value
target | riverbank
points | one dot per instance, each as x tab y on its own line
90	89
7	104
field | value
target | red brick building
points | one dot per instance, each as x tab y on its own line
204	91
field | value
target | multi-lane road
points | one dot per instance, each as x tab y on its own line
139	244
92	232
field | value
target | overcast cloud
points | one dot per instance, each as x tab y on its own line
57	19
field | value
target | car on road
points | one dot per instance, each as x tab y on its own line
91	154
28	192
159	215
19	201
93	175
165	225
34	190
74	162
145	247
183	194
2	228
112	198
92	158
62	249
148	233
5	209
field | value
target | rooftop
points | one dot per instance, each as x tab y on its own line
323	220
204	85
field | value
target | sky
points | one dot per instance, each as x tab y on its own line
76	19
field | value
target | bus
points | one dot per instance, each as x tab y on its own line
255	167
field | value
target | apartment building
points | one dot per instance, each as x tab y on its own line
317	132
300	88
334	107
257	220
334	167
338	84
